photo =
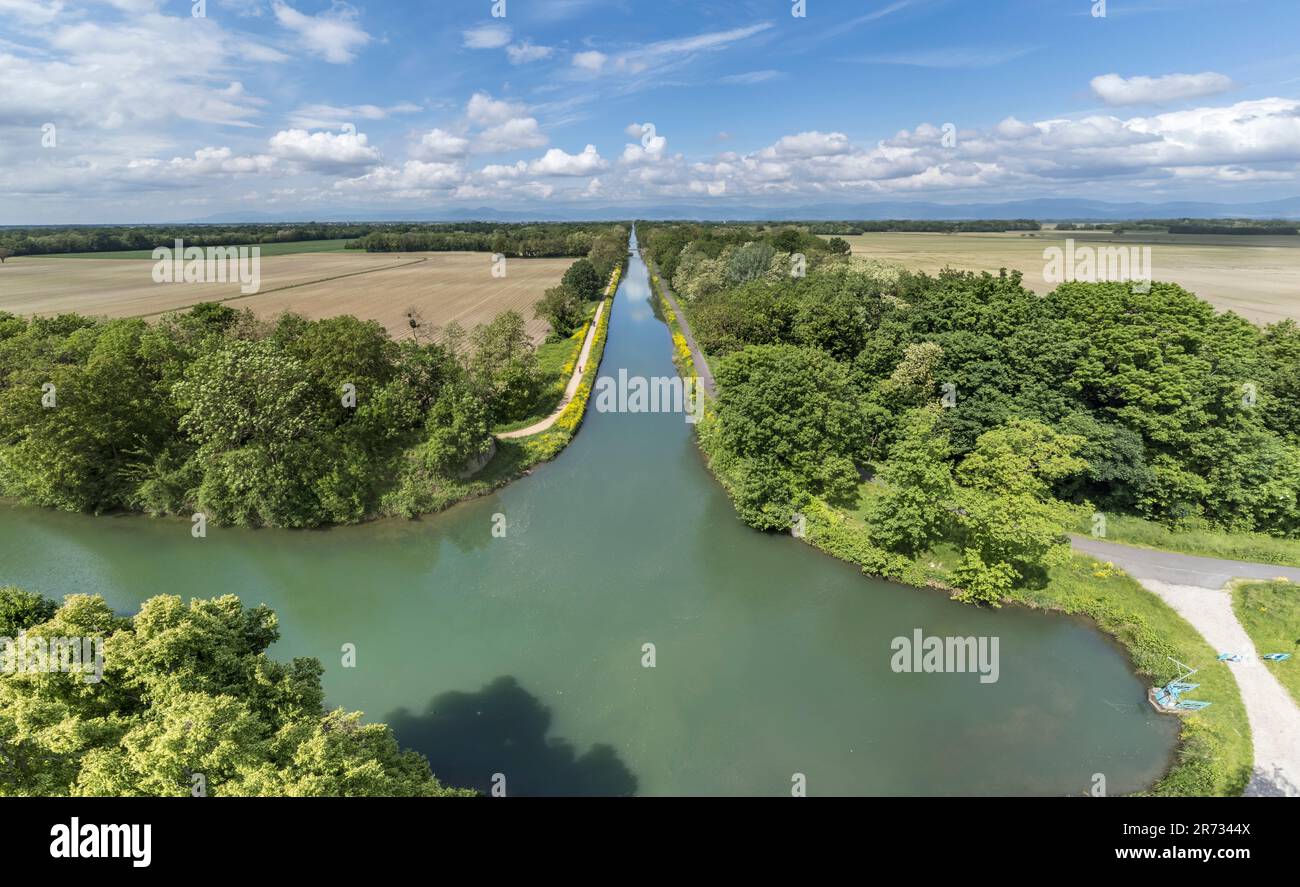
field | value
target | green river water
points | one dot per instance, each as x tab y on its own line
523	655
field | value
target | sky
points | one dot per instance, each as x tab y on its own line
144	110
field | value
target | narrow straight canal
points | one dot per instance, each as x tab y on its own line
523	655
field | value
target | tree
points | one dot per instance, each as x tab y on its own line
608	252
583	280
457	431
790	416
502	367
189	700
561	307
255	417
5	254
20	610
1010	527
749	262
1022	457
788	240
914	510
75	445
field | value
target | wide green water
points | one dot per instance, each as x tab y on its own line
523	655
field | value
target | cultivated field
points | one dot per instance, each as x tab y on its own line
379	286
1257	277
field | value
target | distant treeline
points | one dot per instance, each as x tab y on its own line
533	240
924	227
1232	229
95	239
1188	226
528	241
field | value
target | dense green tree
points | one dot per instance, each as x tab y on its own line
73	426
914	508
563	308
502	367
791	417
1022	457
458	431
583	279
189	701
20	610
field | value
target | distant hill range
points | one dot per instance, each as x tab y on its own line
1044	210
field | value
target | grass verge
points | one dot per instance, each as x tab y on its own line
1254	547
1270	613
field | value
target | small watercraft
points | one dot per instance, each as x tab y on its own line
1181	687
1191	705
1277	657
1229	657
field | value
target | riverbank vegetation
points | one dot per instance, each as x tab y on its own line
188	703
291	422
948	430
1270	613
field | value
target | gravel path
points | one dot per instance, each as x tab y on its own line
569	390
1196	587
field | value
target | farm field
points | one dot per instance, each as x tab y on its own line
443	286
1257	277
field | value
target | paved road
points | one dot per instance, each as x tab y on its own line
697	355
1176	568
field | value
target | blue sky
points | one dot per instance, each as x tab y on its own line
134	110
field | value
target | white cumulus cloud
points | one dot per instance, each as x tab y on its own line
556	162
1116	90
324	150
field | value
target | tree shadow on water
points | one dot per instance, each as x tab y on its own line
502	728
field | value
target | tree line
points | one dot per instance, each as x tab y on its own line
532	240
604	244
94	238
922	226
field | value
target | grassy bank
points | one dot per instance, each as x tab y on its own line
681	351
1254	547
1270	613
